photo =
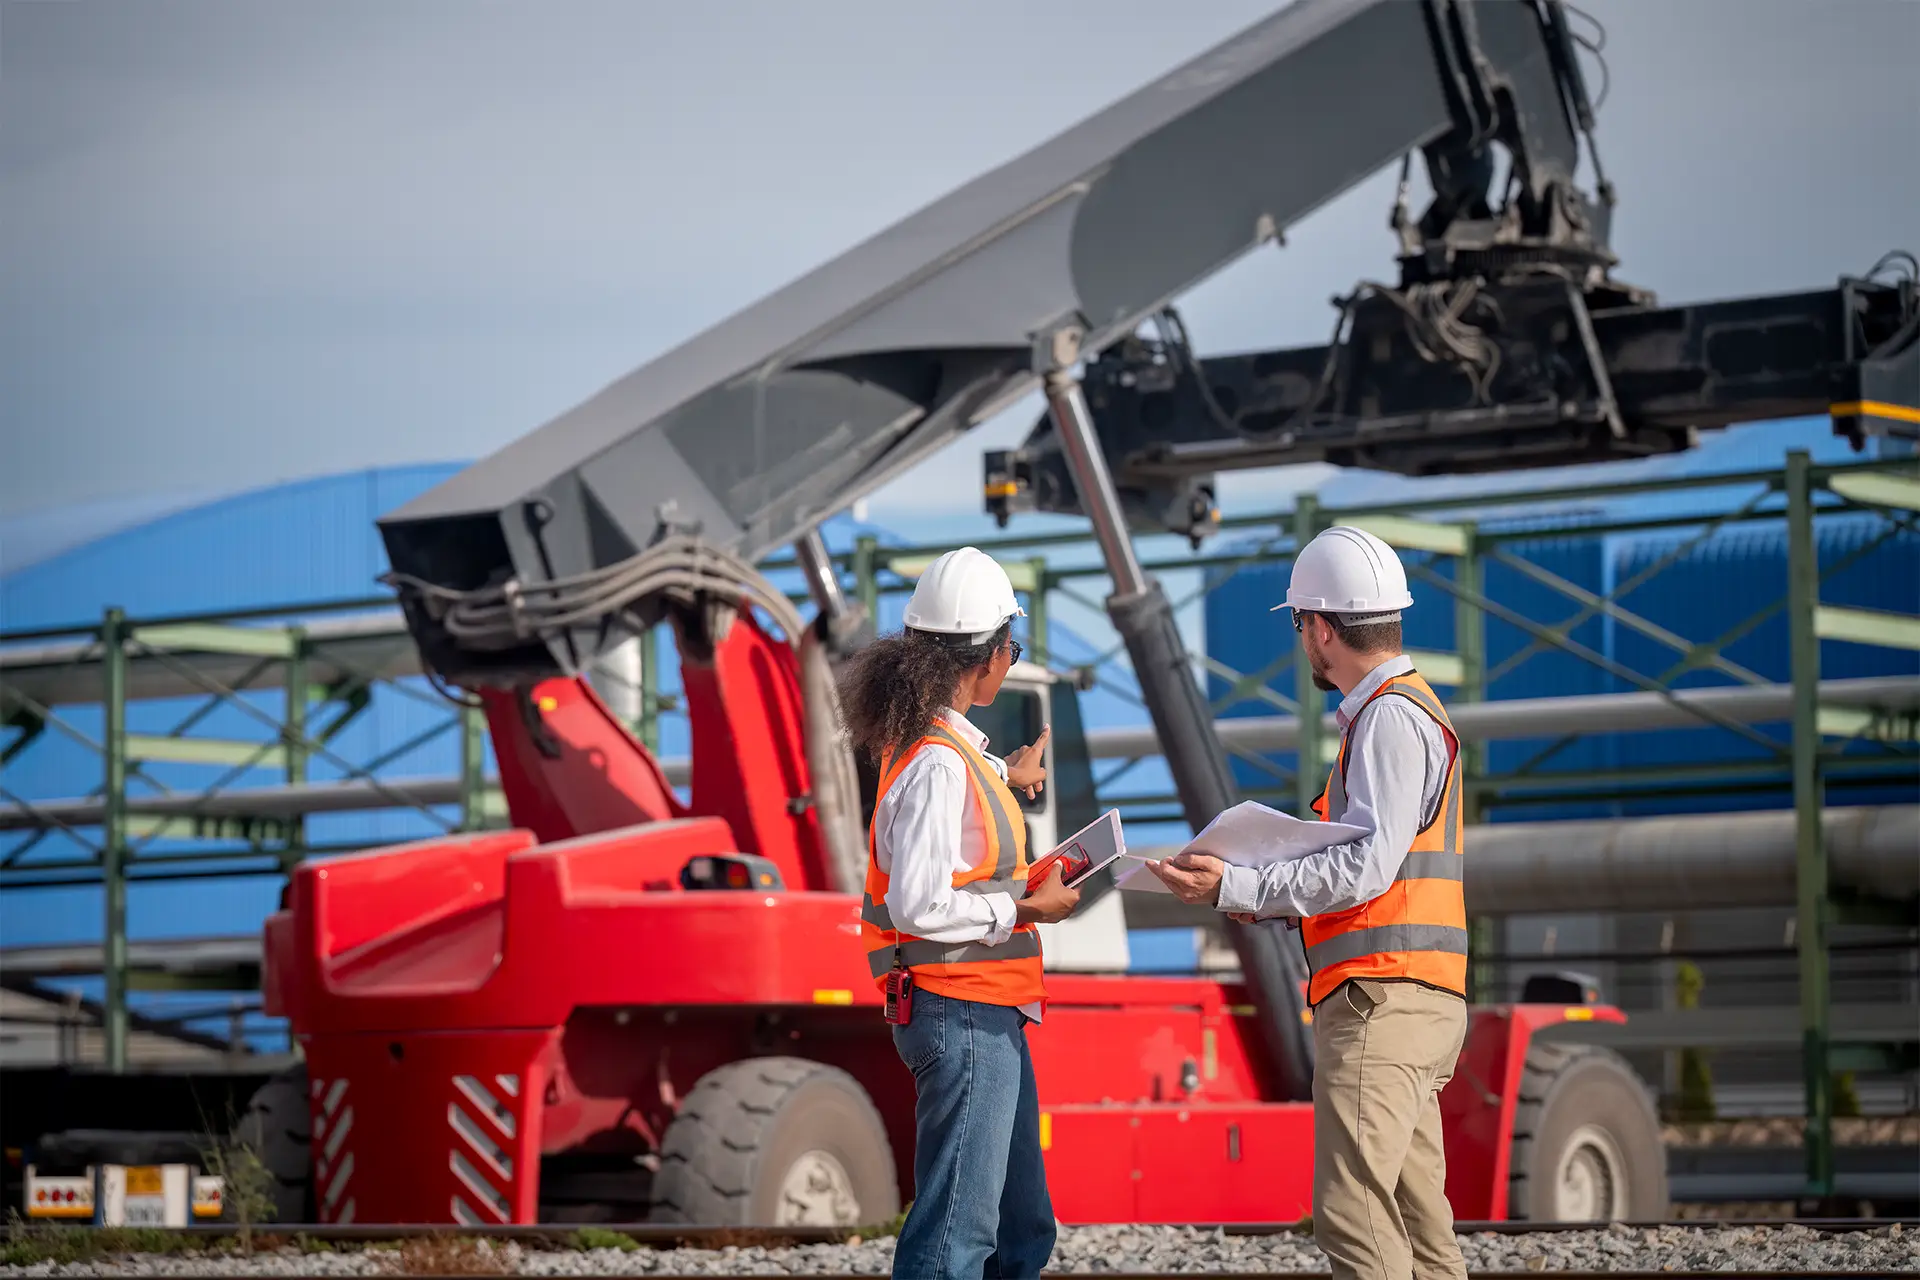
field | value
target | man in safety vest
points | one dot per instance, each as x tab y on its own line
1382	920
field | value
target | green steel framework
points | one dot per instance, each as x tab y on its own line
315	713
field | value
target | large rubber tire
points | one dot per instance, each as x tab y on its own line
776	1142
278	1126
1586	1140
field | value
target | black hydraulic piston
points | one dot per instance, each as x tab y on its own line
1273	972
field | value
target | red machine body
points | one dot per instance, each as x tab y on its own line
473	1004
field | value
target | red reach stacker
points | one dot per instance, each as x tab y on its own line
629	1006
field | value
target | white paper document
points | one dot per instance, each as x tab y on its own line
1251	835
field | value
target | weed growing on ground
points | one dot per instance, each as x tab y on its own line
601	1238
450	1256
28	1243
890	1228
246	1191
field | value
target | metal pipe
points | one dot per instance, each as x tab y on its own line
113	836
823	581
1812	868
616	676
1273	969
1704	861
1597	713
1313	769
1073	421
1894	696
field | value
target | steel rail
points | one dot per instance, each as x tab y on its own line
1715	1274
695	1236
561	1237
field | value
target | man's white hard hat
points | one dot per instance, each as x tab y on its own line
1349	572
964	593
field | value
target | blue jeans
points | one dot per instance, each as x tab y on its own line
980	1206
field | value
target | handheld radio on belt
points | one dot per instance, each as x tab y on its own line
899	991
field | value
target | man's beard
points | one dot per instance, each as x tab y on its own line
1320	680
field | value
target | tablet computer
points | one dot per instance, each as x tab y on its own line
1092	847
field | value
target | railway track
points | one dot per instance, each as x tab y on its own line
1805	1247
1121	1275
668	1235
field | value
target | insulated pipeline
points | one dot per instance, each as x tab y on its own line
1695	861
1701	860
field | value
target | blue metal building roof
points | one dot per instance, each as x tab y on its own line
307	542
1707	593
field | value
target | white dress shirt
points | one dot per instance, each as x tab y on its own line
1396	771
926	830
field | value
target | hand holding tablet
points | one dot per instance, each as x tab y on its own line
1083	853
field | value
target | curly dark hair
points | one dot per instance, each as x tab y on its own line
891	690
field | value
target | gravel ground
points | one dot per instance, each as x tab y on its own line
1787	1131
1081	1251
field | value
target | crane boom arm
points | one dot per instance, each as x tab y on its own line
1651	379
652	499
754	431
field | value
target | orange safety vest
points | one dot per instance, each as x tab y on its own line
1417	928
1009	974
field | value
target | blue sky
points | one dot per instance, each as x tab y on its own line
247	243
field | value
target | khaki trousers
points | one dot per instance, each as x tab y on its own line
1384	1051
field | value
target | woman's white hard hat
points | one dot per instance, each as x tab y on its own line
1349	572
963	593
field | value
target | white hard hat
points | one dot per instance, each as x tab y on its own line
963	593
1348	571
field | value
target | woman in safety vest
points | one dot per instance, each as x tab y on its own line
949	926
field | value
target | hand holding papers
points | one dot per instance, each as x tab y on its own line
1250	835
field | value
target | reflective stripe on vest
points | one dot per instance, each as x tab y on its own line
1023	945
1010	973
1417	927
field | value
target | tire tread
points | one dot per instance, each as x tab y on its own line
277	1125
709	1155
1547	1063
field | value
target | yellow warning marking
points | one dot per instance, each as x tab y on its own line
1875	409
1046	1131
1577	1014
833	997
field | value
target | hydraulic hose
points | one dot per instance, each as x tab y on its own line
681	568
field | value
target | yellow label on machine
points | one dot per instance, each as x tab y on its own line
144	1180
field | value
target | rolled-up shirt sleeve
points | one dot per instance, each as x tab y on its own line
1388	776
927	803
